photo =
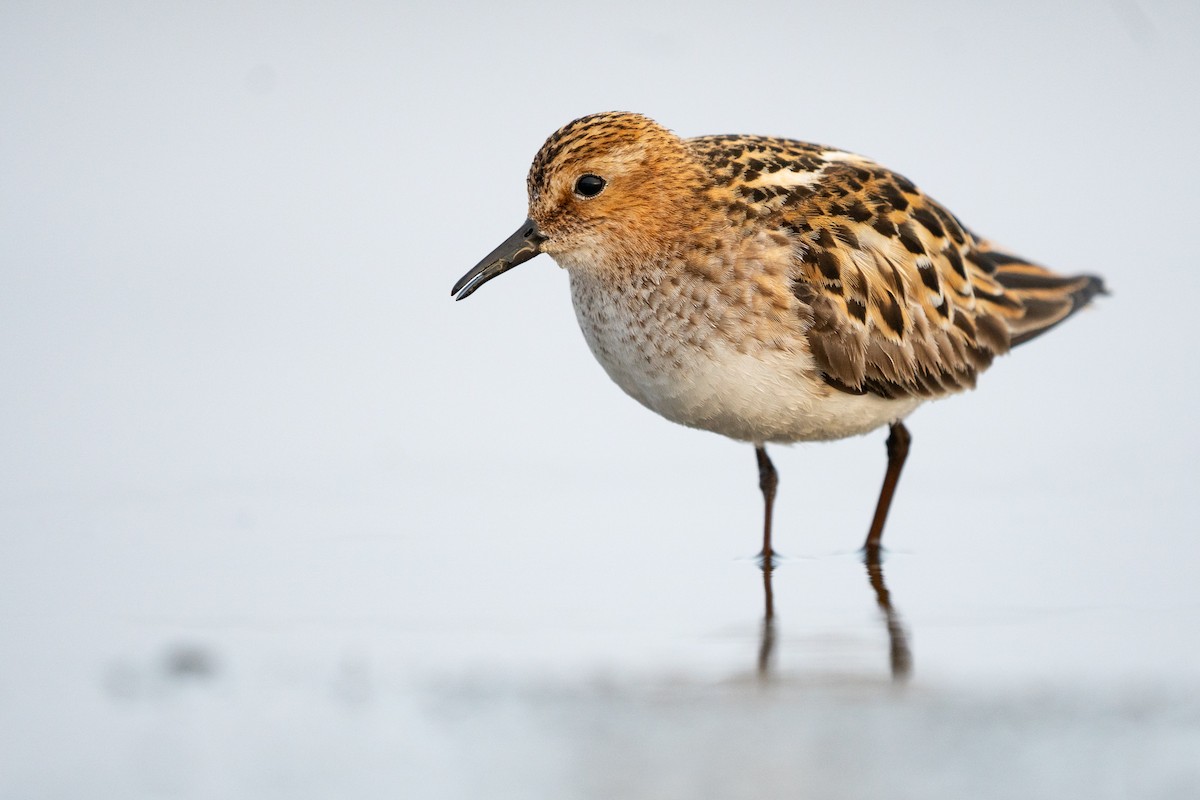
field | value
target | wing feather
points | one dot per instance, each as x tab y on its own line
905	300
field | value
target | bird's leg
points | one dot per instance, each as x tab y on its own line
897	448
768	479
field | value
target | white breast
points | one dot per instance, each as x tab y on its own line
700	379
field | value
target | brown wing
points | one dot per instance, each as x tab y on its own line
905	301
1045	299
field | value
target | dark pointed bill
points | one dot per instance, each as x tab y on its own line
517	249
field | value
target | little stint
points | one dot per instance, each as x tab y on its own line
772	290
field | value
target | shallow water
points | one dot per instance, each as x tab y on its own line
309	642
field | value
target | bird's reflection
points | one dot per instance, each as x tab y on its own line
899	655
766	645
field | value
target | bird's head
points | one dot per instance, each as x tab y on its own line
607	191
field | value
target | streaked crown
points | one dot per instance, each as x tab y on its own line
612	188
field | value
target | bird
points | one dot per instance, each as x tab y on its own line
772	290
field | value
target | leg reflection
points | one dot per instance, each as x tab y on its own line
899	656
766	645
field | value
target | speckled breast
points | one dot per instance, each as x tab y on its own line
697	375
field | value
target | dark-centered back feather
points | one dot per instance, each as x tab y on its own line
904	300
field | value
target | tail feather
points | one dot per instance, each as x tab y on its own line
1047	298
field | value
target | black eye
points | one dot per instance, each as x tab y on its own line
589	185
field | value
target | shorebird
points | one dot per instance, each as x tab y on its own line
772	290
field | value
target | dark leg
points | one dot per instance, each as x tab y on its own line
897	448
768	479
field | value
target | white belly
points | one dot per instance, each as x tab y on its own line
702	380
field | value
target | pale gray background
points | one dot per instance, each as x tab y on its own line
279	519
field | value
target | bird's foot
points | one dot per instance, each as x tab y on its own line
768	559
872	553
